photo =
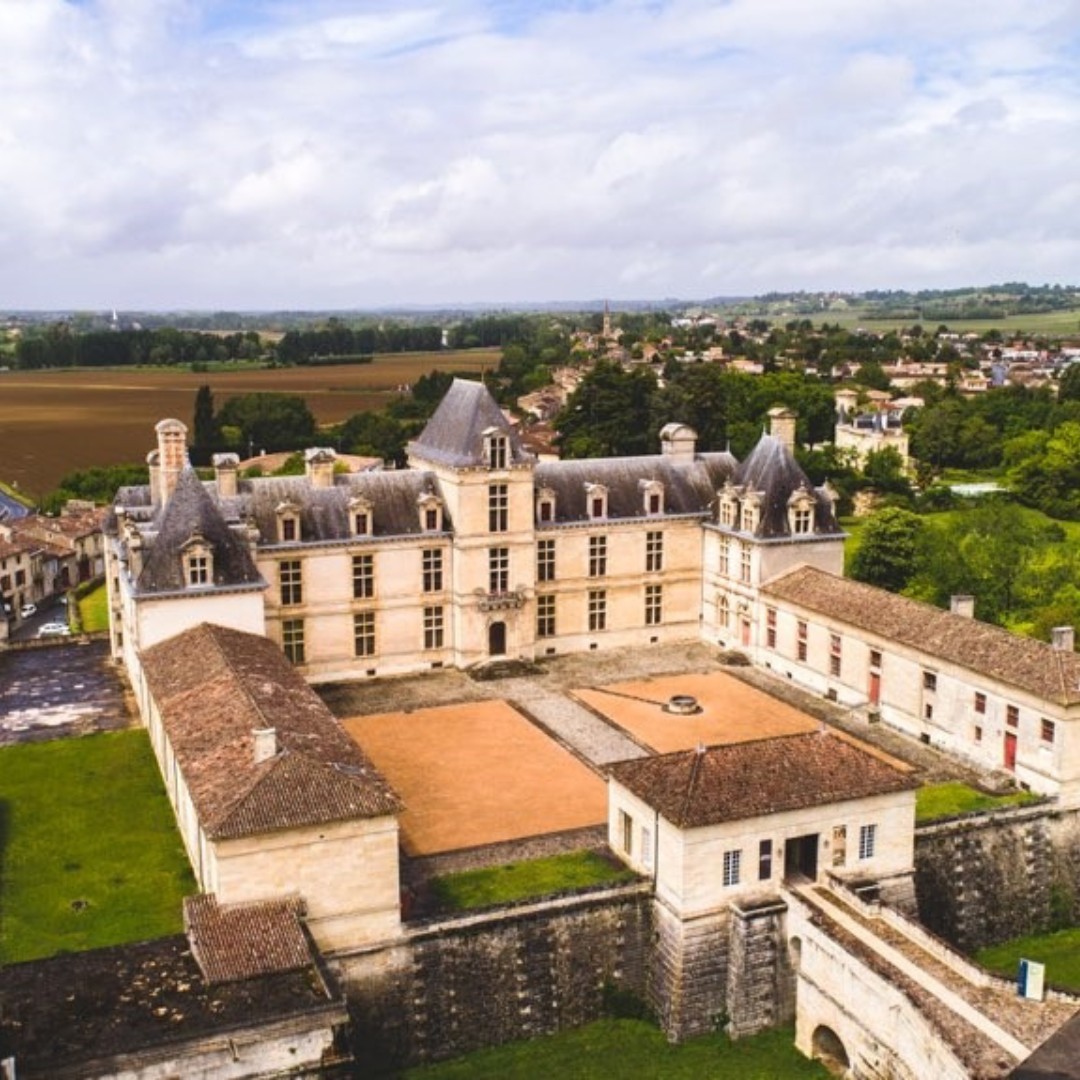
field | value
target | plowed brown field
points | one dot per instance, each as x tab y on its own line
53	422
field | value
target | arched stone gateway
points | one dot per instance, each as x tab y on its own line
829	1050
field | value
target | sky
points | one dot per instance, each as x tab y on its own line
318	154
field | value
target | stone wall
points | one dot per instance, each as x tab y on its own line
456	985
984	879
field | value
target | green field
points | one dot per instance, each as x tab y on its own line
519	881
633	1050
93	610
1059	951
935	801
1046	324
89	852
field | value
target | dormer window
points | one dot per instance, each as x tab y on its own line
198	562
360	516
653	497
728	512
496	449
748	516
431	513
545	505
288	523
596	496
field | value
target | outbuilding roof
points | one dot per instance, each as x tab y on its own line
214	688
694	788
1029	665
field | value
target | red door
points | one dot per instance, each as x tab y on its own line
1010	751
875	687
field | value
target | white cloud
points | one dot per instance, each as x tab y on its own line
290	153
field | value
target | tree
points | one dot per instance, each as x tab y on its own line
205	435
884	471
1069	384
269	421
610	414
888	551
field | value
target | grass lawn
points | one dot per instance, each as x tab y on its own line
1059	951
94	610
951	798
633	1050
518	881
89	852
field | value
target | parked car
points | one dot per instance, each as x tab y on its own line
53	629
27	610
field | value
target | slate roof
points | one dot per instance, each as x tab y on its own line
771	469
694	788
214	687
190	511
1030	665
243	941
689	487
455	433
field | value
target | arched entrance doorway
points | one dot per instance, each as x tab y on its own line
829	1050
497	639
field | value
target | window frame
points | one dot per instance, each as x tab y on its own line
654	604
291	582
293	643
545	615
598	554
654	551
731	872
434	616
363	576
867	841
364	632
431	570
545	560
597	610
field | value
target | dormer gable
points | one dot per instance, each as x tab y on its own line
361	517
430	507
750	512
496	448
727	506
652	496
545	505
801	507
596	501
197	560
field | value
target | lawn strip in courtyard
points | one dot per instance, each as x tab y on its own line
89	851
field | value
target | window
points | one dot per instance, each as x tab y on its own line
361	523
800	639
764	860
875	658
498	570
596	495
928	711
433	628
1046	730
288	529
835	655
498	507
770	627
654	502
802	520
430	512
744	565
724	561
980	703
431	577
839	845
292	640
732	862
363	577
431	520
978	733
597	556
929	682
1012	716
545	560
746	518
545	616
723	609
867	841
545	508
597	609
727	511
497	451
654	605
654	552
198	570
626	832
289	580
364	633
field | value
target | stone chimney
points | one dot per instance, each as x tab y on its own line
319	465
172	458
225	470
962	605
678	442
265	744
782	425
1063	638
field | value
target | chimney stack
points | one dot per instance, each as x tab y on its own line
172	458
225	470
962	605
782	425
265	744
1063	638
678	442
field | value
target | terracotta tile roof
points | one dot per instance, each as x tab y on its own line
214	688
1030	665
242	941
693	788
